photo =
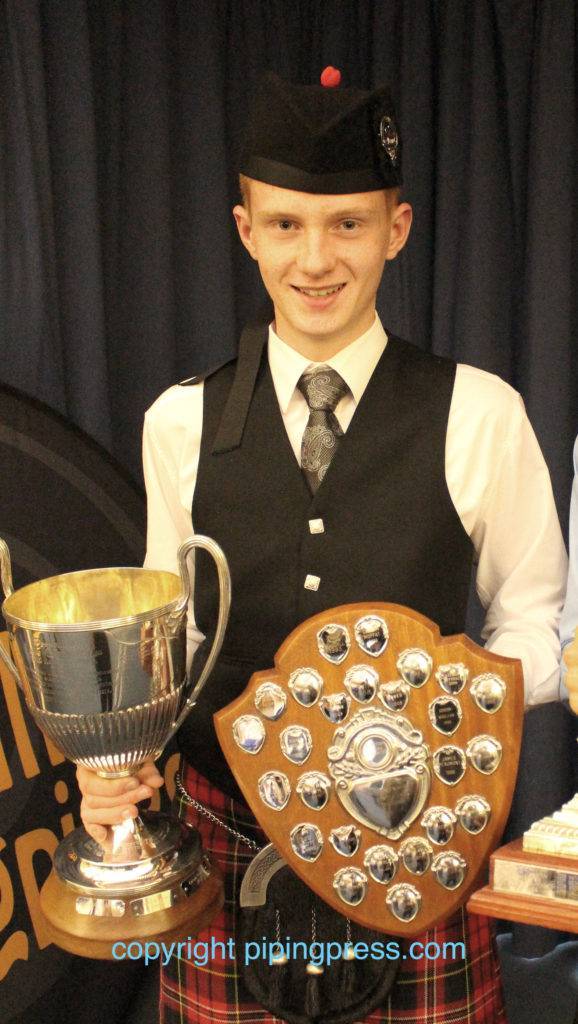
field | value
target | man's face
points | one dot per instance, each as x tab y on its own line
321	258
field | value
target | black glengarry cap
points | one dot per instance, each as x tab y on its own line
321	138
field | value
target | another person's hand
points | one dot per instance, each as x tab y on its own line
571	661
111	801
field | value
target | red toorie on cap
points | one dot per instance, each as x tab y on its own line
330	77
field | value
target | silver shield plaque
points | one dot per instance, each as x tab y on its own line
270	701
333	643
307	841
445	714
249	733
274	790
335	706
372	635
488	691
296	743
404	901
345	840
416	854
449	764
314	789
392	760
452	678
414	666
306	685
449	869
381	861
361	682
439	823
379	764
473	813
484	753
350	885
394	695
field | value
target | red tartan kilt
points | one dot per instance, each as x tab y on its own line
425	991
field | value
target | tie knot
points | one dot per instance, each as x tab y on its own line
322	388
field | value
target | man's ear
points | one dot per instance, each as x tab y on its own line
243	222
401	218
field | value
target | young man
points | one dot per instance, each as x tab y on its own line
336	463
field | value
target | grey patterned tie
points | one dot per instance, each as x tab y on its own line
322	389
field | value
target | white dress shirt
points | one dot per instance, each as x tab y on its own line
496	477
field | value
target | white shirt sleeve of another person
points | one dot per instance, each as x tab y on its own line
500	485
569	620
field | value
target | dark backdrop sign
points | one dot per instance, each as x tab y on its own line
64	505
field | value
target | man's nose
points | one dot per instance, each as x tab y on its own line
315	254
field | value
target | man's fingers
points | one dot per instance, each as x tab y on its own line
106	815
97	832
150	775
112	801
92	783
94	800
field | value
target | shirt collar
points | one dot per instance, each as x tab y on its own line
356	363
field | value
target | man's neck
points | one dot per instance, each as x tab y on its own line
320	349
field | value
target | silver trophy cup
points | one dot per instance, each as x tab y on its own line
101	658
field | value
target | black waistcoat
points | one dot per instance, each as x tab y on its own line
391	532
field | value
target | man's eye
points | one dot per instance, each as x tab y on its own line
285	225
349	225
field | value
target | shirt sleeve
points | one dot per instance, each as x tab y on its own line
501	488
171	445
569	619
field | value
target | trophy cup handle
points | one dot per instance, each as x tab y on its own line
213	549
7	587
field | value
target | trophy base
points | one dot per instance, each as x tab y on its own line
530	888
149	881
95	937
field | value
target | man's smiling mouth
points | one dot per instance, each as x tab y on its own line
319	292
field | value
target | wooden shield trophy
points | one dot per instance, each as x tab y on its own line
380	760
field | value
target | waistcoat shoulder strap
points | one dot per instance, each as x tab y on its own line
232	425
198	377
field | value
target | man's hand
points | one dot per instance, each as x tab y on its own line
110	801
571	661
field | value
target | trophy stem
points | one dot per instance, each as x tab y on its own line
131	841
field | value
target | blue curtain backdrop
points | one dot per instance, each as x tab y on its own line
120	271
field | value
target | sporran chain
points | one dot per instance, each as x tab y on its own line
191	802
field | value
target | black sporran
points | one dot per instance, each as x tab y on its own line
293	980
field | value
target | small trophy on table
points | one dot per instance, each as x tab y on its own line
534	880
